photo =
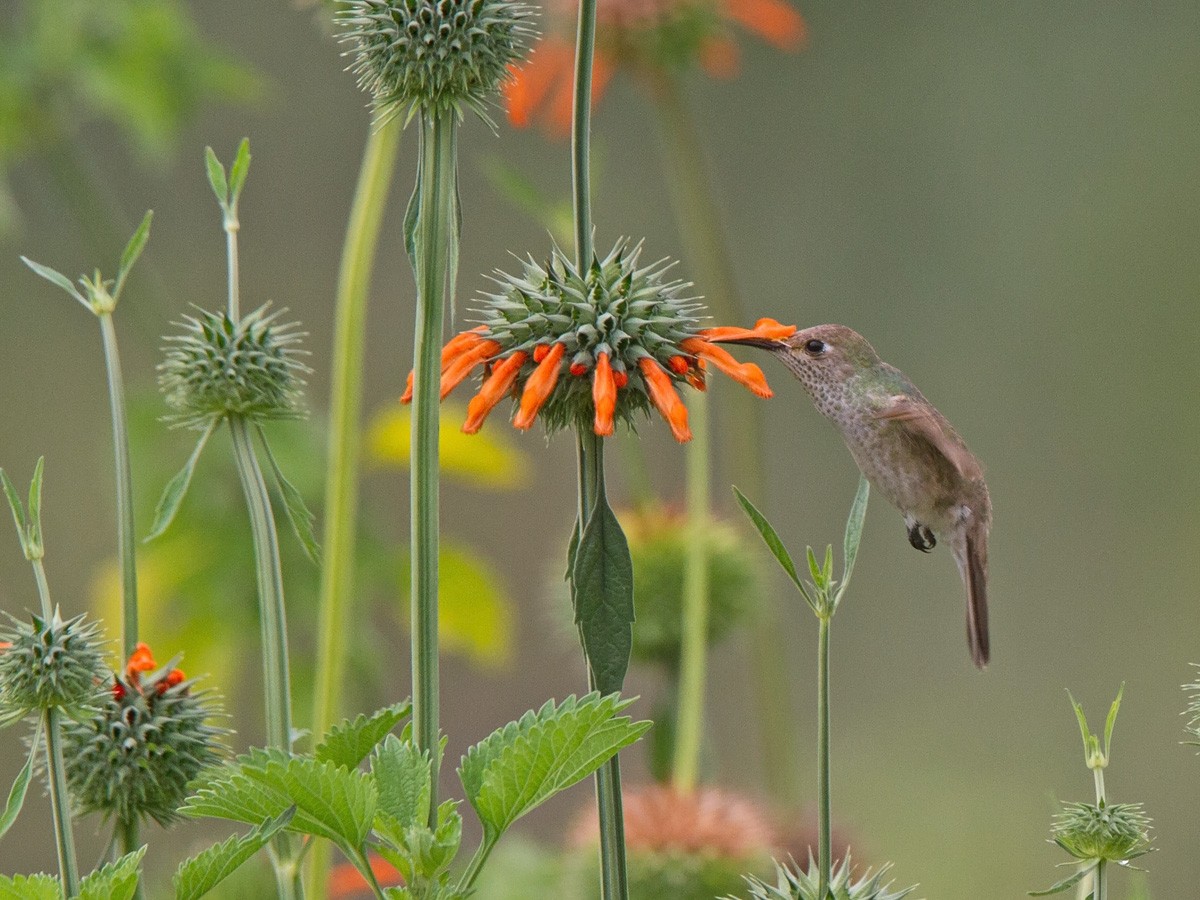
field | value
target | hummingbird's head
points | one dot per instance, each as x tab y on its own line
821	353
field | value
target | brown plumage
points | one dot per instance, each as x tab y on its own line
905	448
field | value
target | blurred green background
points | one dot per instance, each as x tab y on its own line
1004	198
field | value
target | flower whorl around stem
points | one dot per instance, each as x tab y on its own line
219	367
437	55
50	664
134	759
585	349
1118	832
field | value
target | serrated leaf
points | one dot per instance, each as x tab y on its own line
526	762
1069	882
769	536
341	802
402	778
293	503
30	887
197	876
349	743
132	251
58	278
113	881
216	176
16	796
238	172
602	583
176	489
854	530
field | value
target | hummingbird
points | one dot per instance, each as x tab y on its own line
905	448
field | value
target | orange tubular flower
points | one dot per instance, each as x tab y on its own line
664	397
499	383
744	373
604	396
767	329
539	387
140	660
450	352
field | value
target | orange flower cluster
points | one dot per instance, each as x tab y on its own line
472	349
142	660
644	36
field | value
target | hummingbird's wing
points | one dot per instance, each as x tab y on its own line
923	421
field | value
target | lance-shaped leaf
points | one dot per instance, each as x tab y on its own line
30	887
293	503
238	172
16	796
767	532
113	881
350	743
854	529
526	762
132	251
216	176
1067	883
176	489
602	585
57	278
197	876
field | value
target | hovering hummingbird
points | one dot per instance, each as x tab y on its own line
904	447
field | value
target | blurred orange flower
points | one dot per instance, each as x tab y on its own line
648	37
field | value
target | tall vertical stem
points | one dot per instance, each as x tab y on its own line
824	834
707	255
581	133
342	463
694	646
435	231
126	541
1100	875
273	623
232	226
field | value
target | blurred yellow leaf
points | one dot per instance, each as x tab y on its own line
482	460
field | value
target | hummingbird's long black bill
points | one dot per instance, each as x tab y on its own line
764	343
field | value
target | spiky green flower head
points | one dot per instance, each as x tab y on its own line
434	55
50	664
796	883
220	367
1118	832
133	760
659	542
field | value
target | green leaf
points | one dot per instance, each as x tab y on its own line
114	881
197	876
293	503
402	778
132	251
30	887
770	538
349	743
176	489
1069	882
603	597
35	504
238	172
216	176
1090	743
1112	720
572	547
526	762
16	796
18	510
341	801
814	569
56	277
454	237
854	530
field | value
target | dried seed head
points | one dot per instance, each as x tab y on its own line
218	367
436	55
50	664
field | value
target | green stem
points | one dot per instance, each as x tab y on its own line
60	804
232	226
707	255
342	464
824	833
56	772
475	866
126	540
614	880
581	129
1100	876
434	255
694	645
273	622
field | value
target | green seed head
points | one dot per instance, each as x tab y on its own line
1118	832
801	883
621	309
133	760
218	367
434	55
50	664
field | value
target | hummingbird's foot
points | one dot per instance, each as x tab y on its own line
921	537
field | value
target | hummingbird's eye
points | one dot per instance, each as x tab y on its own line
815	347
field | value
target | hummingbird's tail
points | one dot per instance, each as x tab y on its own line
975	576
